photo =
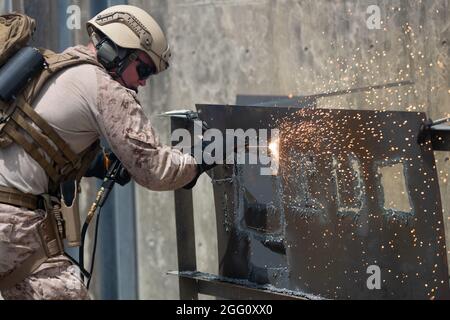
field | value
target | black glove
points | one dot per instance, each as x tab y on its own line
203	167
98	168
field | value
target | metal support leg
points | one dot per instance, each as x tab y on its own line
184	217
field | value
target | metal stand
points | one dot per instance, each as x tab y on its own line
192	282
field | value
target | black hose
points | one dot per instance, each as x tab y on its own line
91	270
81	250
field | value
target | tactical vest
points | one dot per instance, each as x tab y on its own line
22	125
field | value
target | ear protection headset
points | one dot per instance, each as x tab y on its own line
114	58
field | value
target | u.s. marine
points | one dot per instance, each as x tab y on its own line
54	133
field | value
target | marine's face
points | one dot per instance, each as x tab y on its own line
138	71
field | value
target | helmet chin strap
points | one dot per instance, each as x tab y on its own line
118	76
124	63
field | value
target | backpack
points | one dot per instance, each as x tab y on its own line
15	31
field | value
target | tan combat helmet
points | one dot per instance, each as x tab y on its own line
132	28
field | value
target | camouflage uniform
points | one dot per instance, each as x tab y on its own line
82	104
55	279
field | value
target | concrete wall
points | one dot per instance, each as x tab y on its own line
228	47
223	48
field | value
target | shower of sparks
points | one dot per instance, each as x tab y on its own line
315	142
274	150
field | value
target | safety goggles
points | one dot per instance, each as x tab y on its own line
145	70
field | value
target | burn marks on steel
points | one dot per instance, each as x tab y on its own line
354	189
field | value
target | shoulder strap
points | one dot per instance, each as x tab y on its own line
56	62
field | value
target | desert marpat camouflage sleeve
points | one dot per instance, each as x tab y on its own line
133	139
